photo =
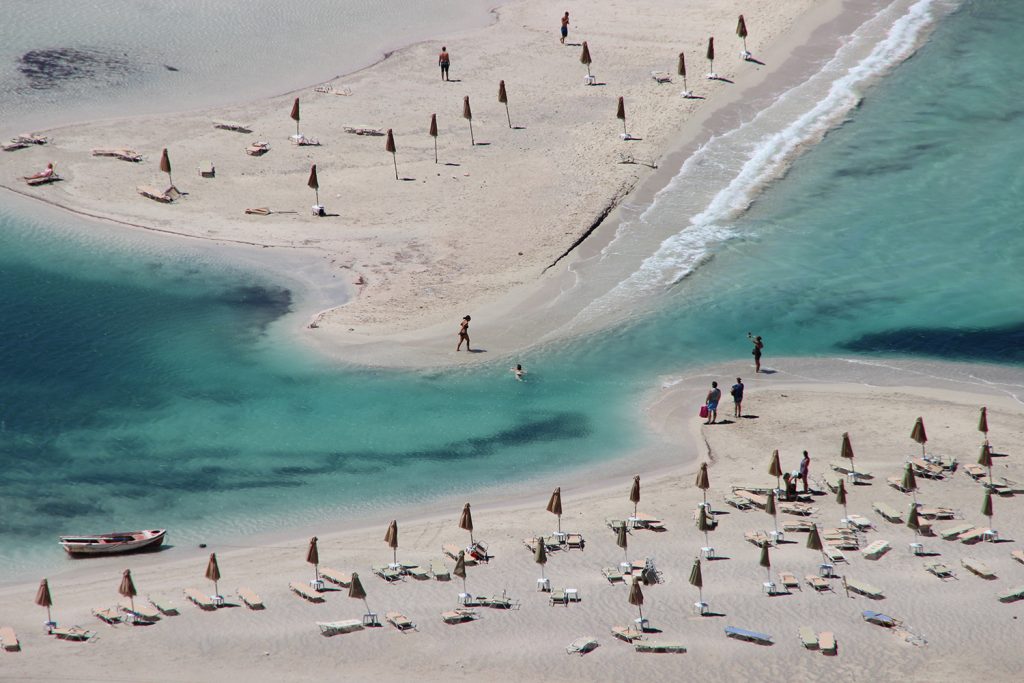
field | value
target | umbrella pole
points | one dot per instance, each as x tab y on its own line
624	127
215	591
508	116
684	83
49	619
394	158
706	541
559	523
317	196
316	573
588	72
435	150
394	556
296	128
640	608
472	140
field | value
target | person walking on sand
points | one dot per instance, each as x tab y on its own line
805	468
712	403
444	61
565	27
518	372
758	346
737	398
464	334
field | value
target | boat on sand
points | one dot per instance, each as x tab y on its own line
113	543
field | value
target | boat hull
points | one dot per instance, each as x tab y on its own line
114	543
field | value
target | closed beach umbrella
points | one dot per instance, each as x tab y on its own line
44	599
295	115
356	590
460	568
466	521
681	69
985	460
634	493
909	480
467	113
986	507
775	468
741	31
620	113
703	480
703	523
814	541
314	183
391	538
769	507
213	572
165	166
711	55
540	556
841	495
766	560
433	133
913	520
555	505
503	98
620	539
697	579
983	422
390	147
313	557
585	57
846	450
127	587
919	435
636	597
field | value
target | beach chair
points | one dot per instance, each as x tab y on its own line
661	77
439	571
122	154
808	638
818	583
139	613
897	483
558	597
451	550
951	533
789	580
738	503
749	636
9	639
305	592
876	549
890	514
331	628
880	619
164	605
207	169
72	633
574	541
627	633
798	527
660	646
977	567
974	471
940	570
859	522
851	473
793	508
30	139
233	126
1018	555
616	524
613	575
342	579
581	646
258	148
35	181
923	468
649	522
972	535
758	538
827	642
399	621
417	572
936	512
302	141
842	542
1012	595
754	499
156	194
865	589
107	615
834	554
459	616
250	598
14	146
387	573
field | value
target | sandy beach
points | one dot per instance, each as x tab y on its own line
797	407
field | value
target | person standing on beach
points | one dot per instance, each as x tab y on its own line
464	334
712	403
565	27
737	398
805	468
444	60
758	346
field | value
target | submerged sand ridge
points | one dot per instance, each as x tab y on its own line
451	236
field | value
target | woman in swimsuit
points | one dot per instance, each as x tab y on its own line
464	334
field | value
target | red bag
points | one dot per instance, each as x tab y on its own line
704	410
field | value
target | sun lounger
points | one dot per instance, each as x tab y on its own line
802	509
387	573
258	148
581	646
860	522
30	139
122	154
459	616
575	540
660	646
363	130
842	543
973	535
35	181
738	503
975	471
798	527
330	628
808	638
163	605
14	146
818	583
451	550
889	513
251	599
399	621
139	612
661	77
939	569
649	522
936	512
749	636
627	633
923	468
834	554
305	592
844	468
615	524
9	639
156	194
951	533
419	573
758	538
207	169
880	619
865	589
108	615
897	483
439	571
1012	595
612	574
233	126
72	633
788	580
258	211
558	598
200	599
976	566
827	642
876	549
1018	555
342	579
755	499
303	141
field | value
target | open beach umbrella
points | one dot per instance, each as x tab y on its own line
814	541
313	557
466	522
847	450
985	460
433	133
391	538
909	480
775	469
127	587
585	58
620	540
766	560
390	147
913	521
357	592
165	166
295	115
983	422
703	523
555	506
703	481
213	572
460	568
741	31
620	113
636	597
711	55
44	599
841	495
918	434
503	98
681	69
697	579
467	113
634	493
769	507
540	556
986	507
314	183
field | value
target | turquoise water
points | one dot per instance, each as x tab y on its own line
135	392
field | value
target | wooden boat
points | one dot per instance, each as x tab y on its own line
113	543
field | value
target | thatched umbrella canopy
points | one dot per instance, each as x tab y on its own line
634	493
711	55
555	506
391	538
466	521
44	599
741	31
585	58
919	435
213	572
503	99
540	555
636	597
775	468
127	587
703	481
313	557
814	541
357	592
433	133
467	113
697	578
620	540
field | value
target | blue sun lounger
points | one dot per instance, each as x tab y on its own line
879	619
751	636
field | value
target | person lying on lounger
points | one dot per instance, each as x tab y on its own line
46	173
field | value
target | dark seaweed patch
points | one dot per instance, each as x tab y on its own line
47	69
995	344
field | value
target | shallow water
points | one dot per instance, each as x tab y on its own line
136	392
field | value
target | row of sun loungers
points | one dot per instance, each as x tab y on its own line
825	641
24	140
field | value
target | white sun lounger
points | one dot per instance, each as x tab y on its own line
399	621
660	646
165	606
627	633
330	628
749	636
107	614
139	612
342	579
122	154
72	633
940	570
827	642
304	591
661	77
1012	595
865	589
10	639
808	638
459	616
251	599
581	646
887	512
977	567
876	549
952	532
200	599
